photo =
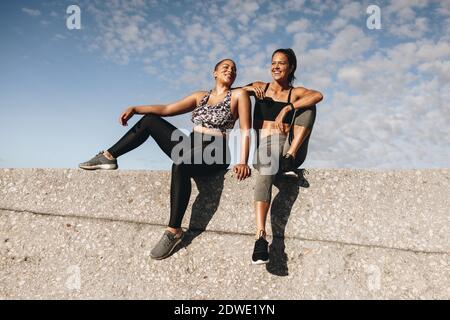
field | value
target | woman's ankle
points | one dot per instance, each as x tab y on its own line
292	153
108	155
175	231
261	233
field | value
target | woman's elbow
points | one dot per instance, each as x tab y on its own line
164	111
319	96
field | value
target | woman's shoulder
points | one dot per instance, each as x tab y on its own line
259	84
299	89
198	96
201	93
238	92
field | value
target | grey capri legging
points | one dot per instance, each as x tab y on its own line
272	147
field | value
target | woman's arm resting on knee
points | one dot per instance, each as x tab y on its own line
242	169
305	98
184	105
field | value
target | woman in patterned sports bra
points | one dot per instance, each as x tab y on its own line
213	113
284	116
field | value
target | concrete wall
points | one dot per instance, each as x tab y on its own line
339	234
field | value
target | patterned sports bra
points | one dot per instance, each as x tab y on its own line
217	116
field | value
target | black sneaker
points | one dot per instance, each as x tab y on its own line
261	251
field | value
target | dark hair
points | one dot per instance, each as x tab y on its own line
292	59
220	62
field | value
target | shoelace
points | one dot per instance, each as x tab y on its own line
167	240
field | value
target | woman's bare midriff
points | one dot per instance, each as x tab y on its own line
269	127
209	131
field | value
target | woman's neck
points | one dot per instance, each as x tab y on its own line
220	89
278	86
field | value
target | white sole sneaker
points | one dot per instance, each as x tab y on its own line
99	166
290	174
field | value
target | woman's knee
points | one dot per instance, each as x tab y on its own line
263	188
150	119
306	118
178	171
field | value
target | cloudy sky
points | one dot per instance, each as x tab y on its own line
387	91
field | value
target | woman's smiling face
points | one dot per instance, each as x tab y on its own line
226	72
280	66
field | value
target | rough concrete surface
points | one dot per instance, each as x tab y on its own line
67	233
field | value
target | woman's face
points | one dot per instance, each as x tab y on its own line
280	67
226	72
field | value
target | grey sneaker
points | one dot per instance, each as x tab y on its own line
99	162
165	246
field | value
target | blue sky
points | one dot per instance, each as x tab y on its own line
387	91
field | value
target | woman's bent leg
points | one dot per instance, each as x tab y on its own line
303	124
180	188
149	125
180	193
267	158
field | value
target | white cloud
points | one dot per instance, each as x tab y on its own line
439	69
353	75
130	33
297	26
415	29
243	11
31	12
59	36
349	43
353	10
403	18
389	117
267	23
294	5
403	8
336	24
444	8
301	41
433	51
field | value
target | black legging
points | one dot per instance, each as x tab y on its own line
180	187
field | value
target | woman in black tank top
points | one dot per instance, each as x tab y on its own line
283	116
268	109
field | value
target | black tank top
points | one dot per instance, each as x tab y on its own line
268	109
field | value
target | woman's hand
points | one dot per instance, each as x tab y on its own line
258	92
280	118
242	171
126	115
